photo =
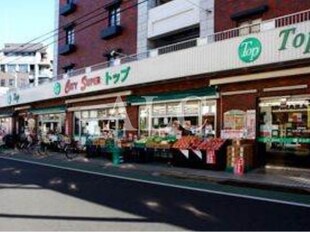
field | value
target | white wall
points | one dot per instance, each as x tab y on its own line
142	42
56	23
206	18
173	16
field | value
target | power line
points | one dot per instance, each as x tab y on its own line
93	23
56	30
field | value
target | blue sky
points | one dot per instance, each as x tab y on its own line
24	20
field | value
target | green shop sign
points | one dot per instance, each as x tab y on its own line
57	88
117	78
296	40
283	140
249	50
13	98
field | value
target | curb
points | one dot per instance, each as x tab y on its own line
178	174
240	183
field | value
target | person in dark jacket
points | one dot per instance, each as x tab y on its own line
184	130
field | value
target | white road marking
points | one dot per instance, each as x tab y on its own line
163	184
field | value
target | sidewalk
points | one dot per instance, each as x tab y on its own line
271	178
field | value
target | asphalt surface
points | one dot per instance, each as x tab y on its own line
34	197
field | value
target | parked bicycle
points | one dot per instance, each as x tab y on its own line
73	150
32	144
69	147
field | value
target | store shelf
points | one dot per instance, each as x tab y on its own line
289	110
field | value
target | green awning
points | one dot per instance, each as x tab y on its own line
168	96
49	110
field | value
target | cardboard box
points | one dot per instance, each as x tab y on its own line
234	152
239	142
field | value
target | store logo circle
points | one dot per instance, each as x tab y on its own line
57	88
249	50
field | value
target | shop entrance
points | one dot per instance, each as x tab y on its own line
105	123
25	123
284	125
5	126
52	123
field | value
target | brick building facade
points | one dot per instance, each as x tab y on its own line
230	13
89	19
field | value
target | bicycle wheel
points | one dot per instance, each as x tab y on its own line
32	149
42	149
70	152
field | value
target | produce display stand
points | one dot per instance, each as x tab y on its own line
213	154
194	152
100	148
153	149
188	151
162	154
181	151
127	152
180	157
142	155
196	158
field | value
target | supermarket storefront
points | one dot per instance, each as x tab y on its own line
284	124
6	125
50	119
273	114
192	107
98	121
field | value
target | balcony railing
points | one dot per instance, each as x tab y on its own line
177	46
264	25
292	19
233	33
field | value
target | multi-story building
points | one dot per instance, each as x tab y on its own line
165	22
91	30
23	64
121	28
243	65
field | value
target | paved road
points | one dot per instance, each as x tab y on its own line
34	197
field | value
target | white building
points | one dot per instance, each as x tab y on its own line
165	22
24	64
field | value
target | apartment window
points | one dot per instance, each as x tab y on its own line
2	68
11	82
2	83
114	16
249	26
70	35
23	68
11	68
68	69
161	2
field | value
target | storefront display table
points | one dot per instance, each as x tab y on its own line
142	154
180	157
162	155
